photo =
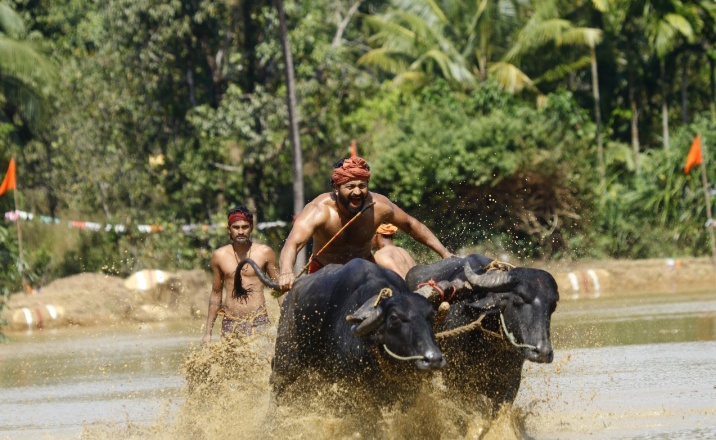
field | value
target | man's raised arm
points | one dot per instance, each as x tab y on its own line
418	231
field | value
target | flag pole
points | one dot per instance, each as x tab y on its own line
710	220
19	234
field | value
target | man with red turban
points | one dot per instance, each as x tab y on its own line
325	215
242	313
387	254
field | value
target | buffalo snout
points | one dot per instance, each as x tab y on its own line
432	360
542	353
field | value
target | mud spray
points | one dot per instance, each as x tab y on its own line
228	396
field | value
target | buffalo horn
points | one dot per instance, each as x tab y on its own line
488	281
367	318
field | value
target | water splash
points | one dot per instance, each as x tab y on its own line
228	396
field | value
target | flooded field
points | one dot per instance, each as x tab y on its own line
625	367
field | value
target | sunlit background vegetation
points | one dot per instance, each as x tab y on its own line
540	129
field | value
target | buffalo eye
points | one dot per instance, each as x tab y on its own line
393	320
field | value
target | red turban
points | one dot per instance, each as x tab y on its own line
386	229
353	168
236	216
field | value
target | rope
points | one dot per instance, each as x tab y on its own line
435	286
384	293
499	265
511	337
314	256
478	324
432	283
464	329
401	358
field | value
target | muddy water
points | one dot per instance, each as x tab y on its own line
626	367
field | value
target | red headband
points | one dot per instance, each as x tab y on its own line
236	216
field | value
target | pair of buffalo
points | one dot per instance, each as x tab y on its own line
360	320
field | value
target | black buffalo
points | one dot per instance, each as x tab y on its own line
334	325
516	305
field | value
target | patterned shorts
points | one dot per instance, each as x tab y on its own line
247	327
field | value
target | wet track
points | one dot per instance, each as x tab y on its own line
626	367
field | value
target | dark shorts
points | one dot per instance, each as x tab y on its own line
247	327
316	265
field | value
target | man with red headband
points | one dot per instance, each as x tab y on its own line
242	314
387	254
324	216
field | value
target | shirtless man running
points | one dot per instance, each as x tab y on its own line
241	314
388	254
325	215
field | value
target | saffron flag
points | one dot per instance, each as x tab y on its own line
10	181
694	158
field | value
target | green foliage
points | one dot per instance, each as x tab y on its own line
487	167
662	211
171	112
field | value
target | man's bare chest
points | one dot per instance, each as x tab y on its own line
357	233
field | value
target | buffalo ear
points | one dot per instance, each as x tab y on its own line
366	318
489	302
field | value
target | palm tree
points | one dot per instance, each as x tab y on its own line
465	42
26	75
667	26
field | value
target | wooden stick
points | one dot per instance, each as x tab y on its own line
310	260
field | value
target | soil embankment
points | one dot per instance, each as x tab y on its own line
96	299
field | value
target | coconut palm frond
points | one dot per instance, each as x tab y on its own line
386	60
581	36
536	34
23	60
601	5
508	8
411	80
562	70
30	102
510	77
481	7
427	10
413	22
663	39
387	30
10	22
681	24
449	69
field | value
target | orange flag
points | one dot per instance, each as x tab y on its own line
10	181
694	158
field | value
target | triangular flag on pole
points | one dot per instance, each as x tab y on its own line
10	181
694	158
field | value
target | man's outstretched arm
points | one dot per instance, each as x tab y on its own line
418	231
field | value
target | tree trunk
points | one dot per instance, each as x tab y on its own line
712	80
664	106
598	119
298	197
685	89
634	112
